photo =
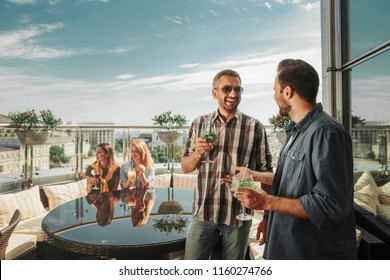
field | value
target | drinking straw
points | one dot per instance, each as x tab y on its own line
243	176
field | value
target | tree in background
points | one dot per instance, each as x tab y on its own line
118	145
358	121
57	155
159	153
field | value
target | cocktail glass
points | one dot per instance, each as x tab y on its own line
131	175
243	183
210	137
97	176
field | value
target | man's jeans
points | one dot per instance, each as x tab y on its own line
203	235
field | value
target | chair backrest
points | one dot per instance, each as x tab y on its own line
6	232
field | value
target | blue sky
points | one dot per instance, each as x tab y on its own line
125	61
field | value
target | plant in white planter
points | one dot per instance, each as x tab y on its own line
33	128
170	125
168	121
280	123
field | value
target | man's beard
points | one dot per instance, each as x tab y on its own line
285	110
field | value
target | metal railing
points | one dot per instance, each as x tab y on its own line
79	135
76	136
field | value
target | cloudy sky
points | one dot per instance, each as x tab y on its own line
125	61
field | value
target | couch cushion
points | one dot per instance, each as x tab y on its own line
384	194
31	226
27	201
19	244
364	180
367	198
161	181
59	194
185	181
358	236
383	214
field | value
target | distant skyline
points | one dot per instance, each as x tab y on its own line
125	61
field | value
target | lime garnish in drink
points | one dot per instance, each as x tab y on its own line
247	184
236	183
210	136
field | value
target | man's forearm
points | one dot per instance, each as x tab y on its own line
191	162
263	177
288	206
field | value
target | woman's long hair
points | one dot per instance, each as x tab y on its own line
142	148
110	152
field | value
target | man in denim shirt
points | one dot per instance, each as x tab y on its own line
311	213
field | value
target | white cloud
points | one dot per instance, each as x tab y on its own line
188	66
123	49
219	2
54	2
268	5
25	18
310	6
178	19
102	1
213	12
24	44
125	77
22	2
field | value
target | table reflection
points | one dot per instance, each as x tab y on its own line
130	223
140	202
137	204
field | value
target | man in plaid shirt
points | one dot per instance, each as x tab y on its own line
241	140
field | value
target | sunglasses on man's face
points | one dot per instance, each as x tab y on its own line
227	89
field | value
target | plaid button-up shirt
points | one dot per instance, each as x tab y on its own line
240	141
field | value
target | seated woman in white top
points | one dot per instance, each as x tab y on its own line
139	172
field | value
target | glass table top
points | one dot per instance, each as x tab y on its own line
130	217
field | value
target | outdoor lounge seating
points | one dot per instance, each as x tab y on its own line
21	247
34	204
6	232
27	240
372	213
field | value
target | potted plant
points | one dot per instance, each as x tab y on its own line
280	123
33	128
170	125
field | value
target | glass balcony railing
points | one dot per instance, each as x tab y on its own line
371	150
71	148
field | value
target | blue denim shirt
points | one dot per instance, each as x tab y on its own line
316	166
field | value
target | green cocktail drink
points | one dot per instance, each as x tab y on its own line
243	184
210	136
250	184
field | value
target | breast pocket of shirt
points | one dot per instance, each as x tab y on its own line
295	164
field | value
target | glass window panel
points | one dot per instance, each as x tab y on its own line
371	118
369	24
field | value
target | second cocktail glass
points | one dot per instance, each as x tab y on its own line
246	182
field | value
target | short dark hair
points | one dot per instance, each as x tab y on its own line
226	72
301	76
